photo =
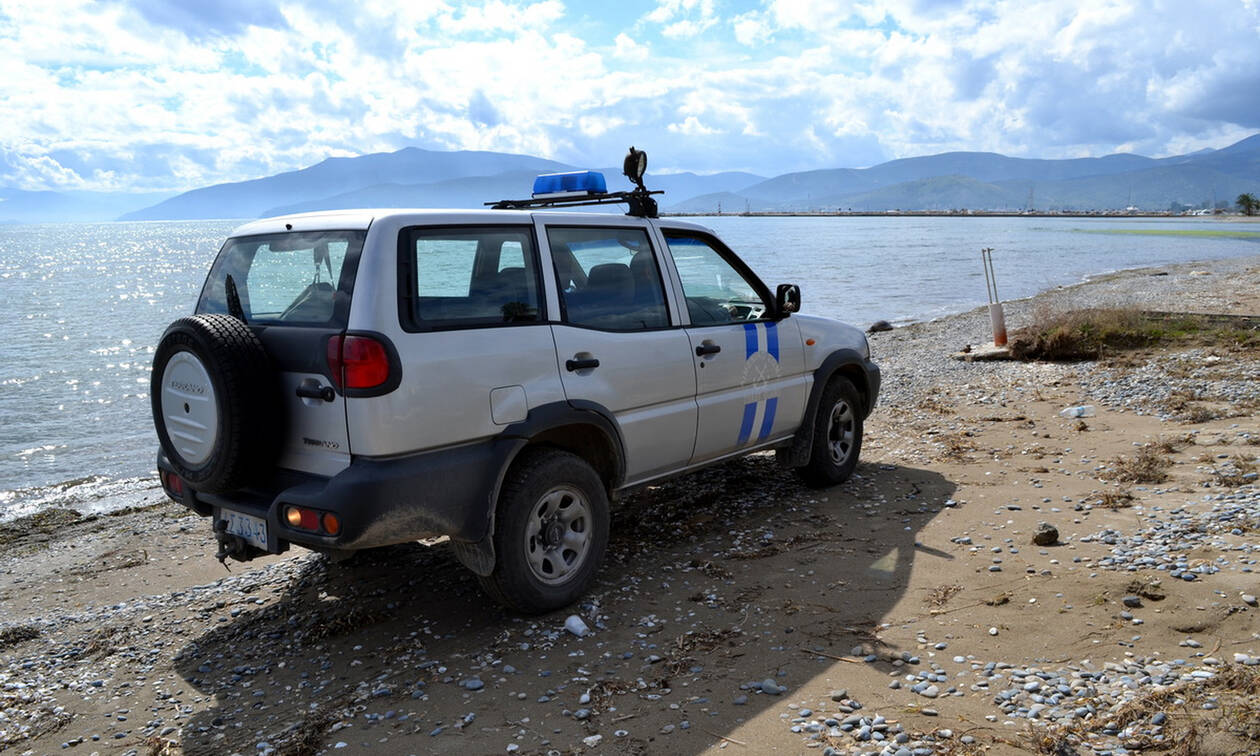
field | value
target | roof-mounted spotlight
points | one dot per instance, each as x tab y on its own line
634	166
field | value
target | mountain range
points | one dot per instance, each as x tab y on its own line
414	177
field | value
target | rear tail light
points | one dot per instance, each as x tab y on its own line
301	518
172	483
358	362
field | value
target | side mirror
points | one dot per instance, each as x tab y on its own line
787	299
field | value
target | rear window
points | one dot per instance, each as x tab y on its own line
466	277
286	279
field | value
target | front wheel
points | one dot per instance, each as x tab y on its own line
550	533
837	440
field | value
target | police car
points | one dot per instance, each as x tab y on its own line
362	378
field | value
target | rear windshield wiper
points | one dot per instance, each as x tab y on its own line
233	300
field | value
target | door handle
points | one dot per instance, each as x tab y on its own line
572	365
705	349
307	391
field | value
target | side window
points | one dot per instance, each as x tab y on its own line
459	277
511	256
608	278
716	291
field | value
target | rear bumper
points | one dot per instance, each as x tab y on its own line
379	502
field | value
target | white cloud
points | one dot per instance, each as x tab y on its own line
691	126
628	49
28	167
99	94
751	28
683	19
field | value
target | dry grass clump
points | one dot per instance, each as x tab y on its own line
941	594
1086	334
1234	474
1191	413
1148	465
957	446
1080	334
159	746
1121	499
1171	445
306	738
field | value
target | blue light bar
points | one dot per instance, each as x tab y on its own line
571	184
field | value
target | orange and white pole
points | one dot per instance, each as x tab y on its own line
996	316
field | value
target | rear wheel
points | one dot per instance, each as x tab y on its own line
837	438
550	534
216	403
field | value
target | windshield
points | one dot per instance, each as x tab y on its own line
285	279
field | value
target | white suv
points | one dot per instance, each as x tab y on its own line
363	378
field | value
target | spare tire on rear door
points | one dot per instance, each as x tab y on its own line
216	402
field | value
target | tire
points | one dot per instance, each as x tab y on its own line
551	532
216	402
837	438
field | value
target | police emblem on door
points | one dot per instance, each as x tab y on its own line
761	368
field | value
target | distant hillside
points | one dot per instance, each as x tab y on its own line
475	191
936	193
19	206
338	176
414	177
987	181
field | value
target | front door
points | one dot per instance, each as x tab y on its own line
750	382
616	347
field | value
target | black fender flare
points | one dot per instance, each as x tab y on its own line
479	556
797	453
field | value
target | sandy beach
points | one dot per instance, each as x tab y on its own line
908	611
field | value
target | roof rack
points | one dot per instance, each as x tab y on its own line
584	188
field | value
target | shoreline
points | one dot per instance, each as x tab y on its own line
1110	287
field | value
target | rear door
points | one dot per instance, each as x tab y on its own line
616	344
461	300
294	289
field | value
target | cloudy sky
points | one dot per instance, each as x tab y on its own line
174	94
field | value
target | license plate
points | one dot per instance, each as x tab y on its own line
252	529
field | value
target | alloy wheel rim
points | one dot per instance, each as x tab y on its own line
841	432
558	534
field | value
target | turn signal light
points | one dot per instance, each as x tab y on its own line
332	526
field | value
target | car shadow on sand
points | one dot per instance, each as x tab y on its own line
713	583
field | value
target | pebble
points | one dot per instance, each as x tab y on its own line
1045	535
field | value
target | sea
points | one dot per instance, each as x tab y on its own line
85	304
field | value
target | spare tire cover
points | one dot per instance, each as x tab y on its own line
216	402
